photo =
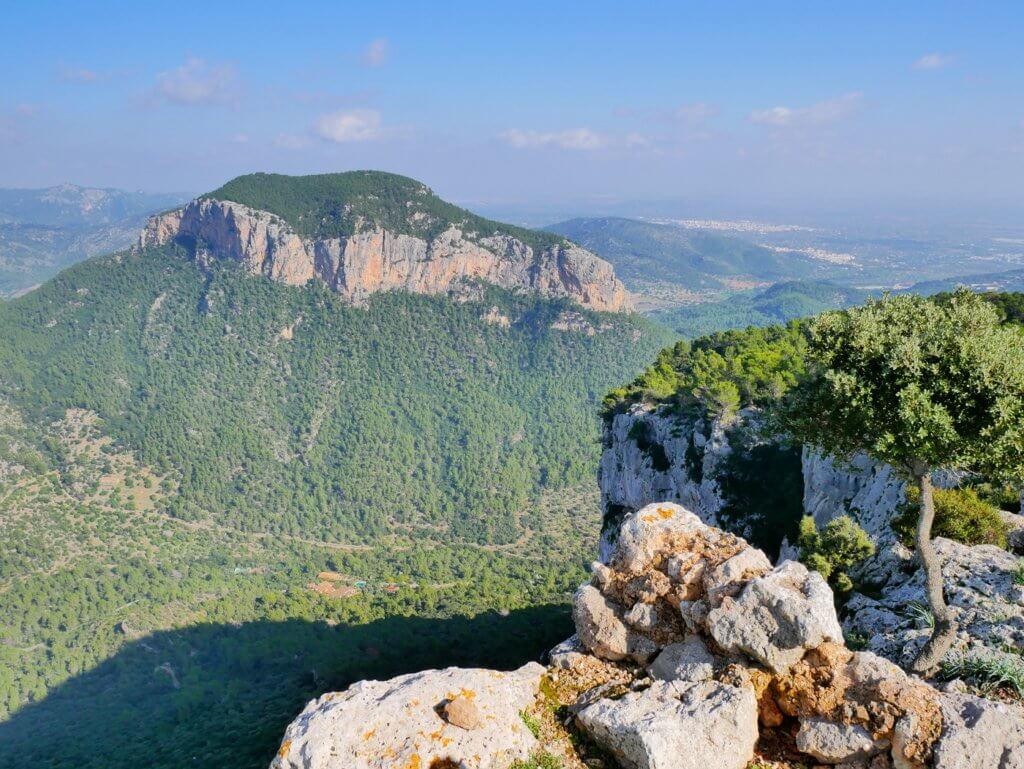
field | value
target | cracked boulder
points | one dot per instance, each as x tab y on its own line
777	618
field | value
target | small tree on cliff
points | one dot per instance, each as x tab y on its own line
920	385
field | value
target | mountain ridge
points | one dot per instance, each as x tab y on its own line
363	232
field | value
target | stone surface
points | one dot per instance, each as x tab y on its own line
462	712
400	723
777	617
687	660
653	532
677	726
835	743
979	588
599	624
373	260
979	733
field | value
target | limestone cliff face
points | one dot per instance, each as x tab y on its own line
658	455
375	259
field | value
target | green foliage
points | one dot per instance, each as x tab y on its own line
413	411
778	303
531	723
333	205
195	643
915	383
960	514
1018	574
539	761
833	550
720	372
990	671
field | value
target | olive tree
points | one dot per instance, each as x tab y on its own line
921	385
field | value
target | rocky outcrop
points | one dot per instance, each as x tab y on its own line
691	651
982	595
437	718
655	454
765	640
374	259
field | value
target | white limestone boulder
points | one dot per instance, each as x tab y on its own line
401	722
677	726
979	733
777	618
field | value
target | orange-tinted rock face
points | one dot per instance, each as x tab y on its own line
375	260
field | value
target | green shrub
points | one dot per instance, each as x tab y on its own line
989	671
834	549
539	761
960	514
1004	497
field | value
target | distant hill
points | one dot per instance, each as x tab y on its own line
776	304
661	260
1008	281
44	230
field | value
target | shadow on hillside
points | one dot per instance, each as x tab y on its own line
221	695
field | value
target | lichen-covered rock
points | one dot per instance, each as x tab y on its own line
677	726
652	534
401	722
777	618
861	688
836	743
687	660
979	733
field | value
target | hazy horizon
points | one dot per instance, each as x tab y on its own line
812	111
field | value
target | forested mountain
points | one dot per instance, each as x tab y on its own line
42	231
210	482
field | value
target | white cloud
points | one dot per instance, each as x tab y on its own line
693	113
933	61
352	125
572	139
377	52
821	113
197	82
71	75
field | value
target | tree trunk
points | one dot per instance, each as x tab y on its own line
945	628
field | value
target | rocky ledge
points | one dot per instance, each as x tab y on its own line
691	651
375	259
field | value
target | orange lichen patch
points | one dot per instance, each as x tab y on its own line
369	734
414	762
648	518
835	683
285	747
665	513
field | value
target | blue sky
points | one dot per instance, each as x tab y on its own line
572	104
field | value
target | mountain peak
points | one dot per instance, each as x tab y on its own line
362	232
